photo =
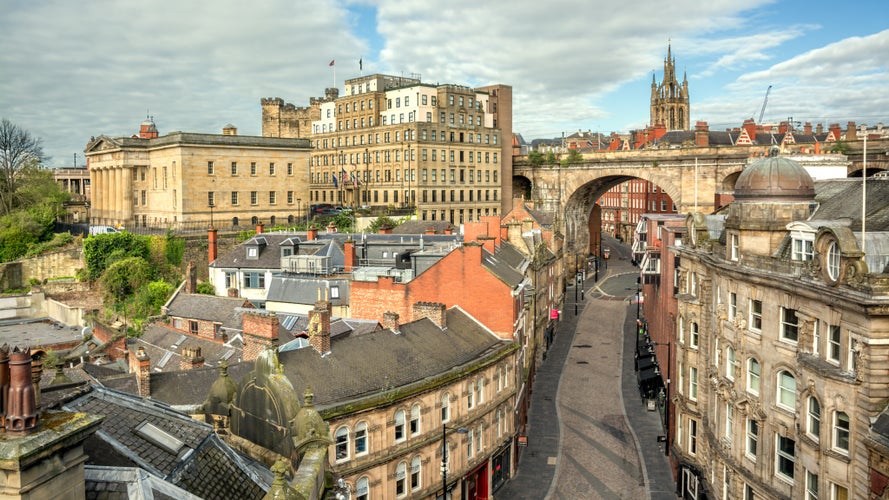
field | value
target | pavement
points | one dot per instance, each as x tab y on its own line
590	434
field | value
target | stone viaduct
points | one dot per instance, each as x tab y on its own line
698	179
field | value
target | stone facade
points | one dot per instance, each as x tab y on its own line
172	180
669	99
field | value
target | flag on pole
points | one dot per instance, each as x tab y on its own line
331	62
360	64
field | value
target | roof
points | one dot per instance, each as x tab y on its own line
501	268
207	307
33	332
163	346
123	483
167	444
421	226
305	290
192	139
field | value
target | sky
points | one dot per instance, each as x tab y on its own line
73	70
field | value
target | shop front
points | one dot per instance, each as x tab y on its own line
475	484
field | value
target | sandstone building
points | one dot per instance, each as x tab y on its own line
185	180
780	351
669	99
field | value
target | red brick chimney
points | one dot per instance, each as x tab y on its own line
259	226
21	405
311	234
191	278
750	127
350	258
834	128
429	231
331	228
212	245
319	327
702	134
140	364
435	311
4	383
191	358
390	321
783	127
260	332
385	229
448	230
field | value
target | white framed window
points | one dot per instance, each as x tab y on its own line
362	491
480	389
753	375
803	248
415	420
730	363
470	396
732	306
361	439
416	467
729	421
693	383
399	426
811	485
755	320
693	335
833	261
816	336
748	492
834	344
445	407
734	247
838	492
752	438
401	479
813	418
786	390
341	438
785	457
841	432
692	436
681	372
470	441
789	325
479	441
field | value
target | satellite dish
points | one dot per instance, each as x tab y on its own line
86	331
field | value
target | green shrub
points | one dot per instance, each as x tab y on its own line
206	288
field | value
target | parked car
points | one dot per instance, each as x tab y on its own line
102	230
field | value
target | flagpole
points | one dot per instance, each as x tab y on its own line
864	199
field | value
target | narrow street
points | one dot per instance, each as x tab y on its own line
590	434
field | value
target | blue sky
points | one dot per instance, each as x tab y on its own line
72	70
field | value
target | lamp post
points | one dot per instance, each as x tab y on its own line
211	205
444	457
299	202
667	373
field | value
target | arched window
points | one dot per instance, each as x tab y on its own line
361	438
786	390
235	221
361	489
399	426
841	432
254	220
730	363
753	375
833	261
341	439
813	420
416	465
445	407
400	479
415	420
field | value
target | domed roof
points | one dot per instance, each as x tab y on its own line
775	178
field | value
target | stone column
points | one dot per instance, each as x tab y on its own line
127	182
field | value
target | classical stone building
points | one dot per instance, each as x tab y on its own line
185	179
388	141
780	345
669	99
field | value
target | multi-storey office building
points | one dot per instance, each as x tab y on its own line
780	345
397	142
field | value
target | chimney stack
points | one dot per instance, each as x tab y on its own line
259	226
390	321
350	257
140	364
851	132
319	327
312	234
212	245
4	384
21	409
191	278
807	128
702	134
191	358
260	330
435	311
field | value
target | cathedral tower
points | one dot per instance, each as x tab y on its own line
669	100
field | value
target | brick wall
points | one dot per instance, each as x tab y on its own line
260	330
103	333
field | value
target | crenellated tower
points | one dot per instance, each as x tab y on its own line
669	100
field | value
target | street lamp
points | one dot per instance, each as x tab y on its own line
444	457
211	205
667	372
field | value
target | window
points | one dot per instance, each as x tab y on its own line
400	478
813	420
755	322
254	280
342	444
833	261
841	432
415	473
785	455
480	389
399	425
833	343
802	249
786	390
838	492
415	420
252	168
470	392
753	375
211	199
479	442
290	197
290	169
693	383
811	486
732	305
729	421
730	363
752	438
748	492
254	198
361	489
469	442
692	436
789	325
733	247
361	439
445	407
230	279
273	197
693	337
209	169
271	169
816	336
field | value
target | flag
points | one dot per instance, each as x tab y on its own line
360	64
331	62
334	181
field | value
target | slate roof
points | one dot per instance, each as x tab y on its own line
294	289
164	345
124	483
207	307
421	226
203	465
500	268
511	255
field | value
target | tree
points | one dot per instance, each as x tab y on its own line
550	158
379	222
19	151
535	158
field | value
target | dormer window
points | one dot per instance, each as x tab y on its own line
833	261
252	252
802	249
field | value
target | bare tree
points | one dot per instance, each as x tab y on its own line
18	150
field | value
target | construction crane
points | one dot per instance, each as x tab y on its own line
764	102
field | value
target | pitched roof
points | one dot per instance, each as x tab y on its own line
167	444
207	307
